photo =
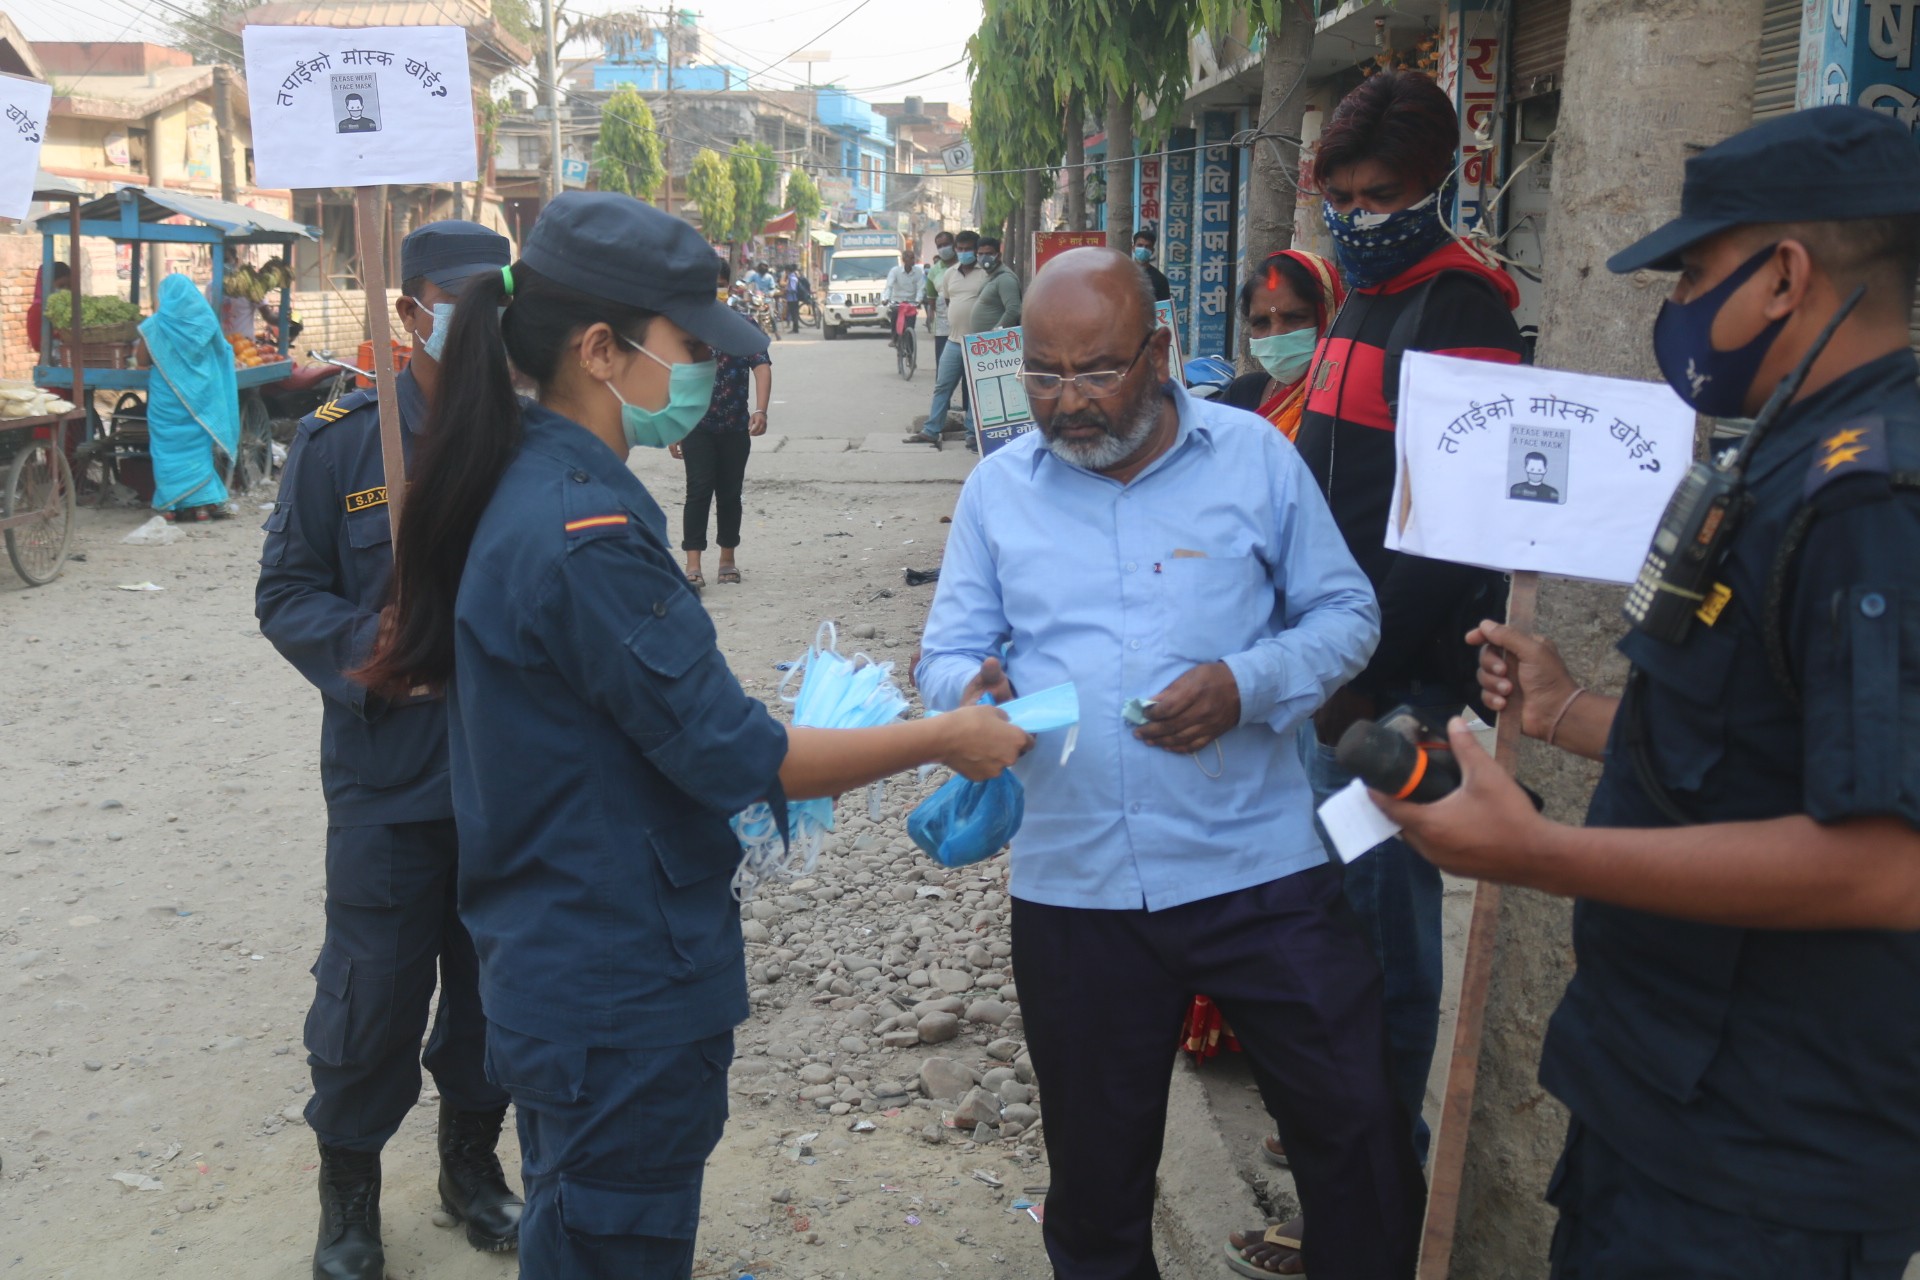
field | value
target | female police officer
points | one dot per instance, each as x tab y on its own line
599	742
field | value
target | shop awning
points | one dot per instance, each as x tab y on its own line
784	224
825	239
236	222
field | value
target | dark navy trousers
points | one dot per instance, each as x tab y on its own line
392	928
1103	994
1618	1224
613	1149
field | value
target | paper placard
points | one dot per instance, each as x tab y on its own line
26	103
1512	467
360	106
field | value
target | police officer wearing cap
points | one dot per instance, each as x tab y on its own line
1740	1046
391	843
599	742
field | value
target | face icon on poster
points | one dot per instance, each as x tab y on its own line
1537	464
356	101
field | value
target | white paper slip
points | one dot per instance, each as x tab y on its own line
1354	823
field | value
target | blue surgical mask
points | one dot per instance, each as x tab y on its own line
1373	248
1142	254
689	393
436	341
946	253
1714	382
966	257
1285	356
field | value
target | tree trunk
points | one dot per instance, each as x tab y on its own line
1034	191
1010	247
1076	126
1120	171
1276	164
1644	84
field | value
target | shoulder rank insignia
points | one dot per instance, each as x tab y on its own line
366	498
594	522
1849	449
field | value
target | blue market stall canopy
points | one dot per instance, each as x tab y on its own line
133	213
51	186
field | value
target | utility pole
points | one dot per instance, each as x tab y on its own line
553	100
809	57
223	127
666	132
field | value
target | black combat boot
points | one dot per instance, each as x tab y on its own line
473	1187
349	1245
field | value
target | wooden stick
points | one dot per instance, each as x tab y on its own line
369	228
1449	1153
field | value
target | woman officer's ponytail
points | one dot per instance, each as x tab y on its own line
471	437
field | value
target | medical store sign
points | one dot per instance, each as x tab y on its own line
1861	52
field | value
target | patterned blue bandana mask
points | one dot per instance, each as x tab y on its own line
1373	248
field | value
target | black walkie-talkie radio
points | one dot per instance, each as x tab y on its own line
1703	514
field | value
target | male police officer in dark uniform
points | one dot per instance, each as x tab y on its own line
391	849
1740	1047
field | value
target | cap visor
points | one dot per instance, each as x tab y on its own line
719	326
1661	250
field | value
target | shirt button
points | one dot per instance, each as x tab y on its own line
581	477
1134	807
1131	566
659	608
1873	604
1133	644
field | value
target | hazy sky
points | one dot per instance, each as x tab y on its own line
880	43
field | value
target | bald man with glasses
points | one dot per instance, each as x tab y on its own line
1175	555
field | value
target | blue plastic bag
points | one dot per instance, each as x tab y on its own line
966	822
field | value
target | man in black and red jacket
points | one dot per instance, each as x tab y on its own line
1384	164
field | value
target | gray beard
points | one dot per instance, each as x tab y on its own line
1110	451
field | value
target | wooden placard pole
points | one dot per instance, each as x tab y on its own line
1449	1153
369	229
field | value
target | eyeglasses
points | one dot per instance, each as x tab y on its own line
1094	386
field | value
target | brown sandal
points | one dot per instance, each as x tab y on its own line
730	574
1272	1252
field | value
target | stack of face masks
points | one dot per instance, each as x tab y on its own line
836	692
966	822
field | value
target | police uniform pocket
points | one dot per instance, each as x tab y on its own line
327	1019
598	1209
1216	605
697	858
1685	710
369	529
534	1069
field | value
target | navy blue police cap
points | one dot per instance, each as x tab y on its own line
615	247
1824	164
450	252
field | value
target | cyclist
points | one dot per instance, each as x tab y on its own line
906	284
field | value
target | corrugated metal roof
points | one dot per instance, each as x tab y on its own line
51	186
156	204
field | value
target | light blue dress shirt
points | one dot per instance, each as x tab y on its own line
1222	550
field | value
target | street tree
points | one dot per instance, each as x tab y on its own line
626	156
1016	121
1118	53
710	187
803	197
1287	27
756	182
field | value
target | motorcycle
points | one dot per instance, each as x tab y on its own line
755	306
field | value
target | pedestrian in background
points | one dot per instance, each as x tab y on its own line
716	453
934	305
1287	304
960	290
1147	545
1144	241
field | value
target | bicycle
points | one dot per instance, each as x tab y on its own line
810	313
906	350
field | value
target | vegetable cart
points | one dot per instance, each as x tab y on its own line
36	508
155	215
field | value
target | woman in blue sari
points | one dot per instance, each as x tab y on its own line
193	403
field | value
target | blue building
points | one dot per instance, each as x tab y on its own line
865	146
645	68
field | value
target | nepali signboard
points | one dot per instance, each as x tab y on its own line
1517	468
1213	239
1176	235
1001	413
1048	245
360	106
26	103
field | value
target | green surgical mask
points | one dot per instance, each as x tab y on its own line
1285	356
689	393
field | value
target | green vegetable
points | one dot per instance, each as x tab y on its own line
95	312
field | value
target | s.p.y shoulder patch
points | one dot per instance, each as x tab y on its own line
1852	448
